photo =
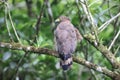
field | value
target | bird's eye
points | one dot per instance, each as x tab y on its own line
57	21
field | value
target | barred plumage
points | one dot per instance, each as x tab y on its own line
66	37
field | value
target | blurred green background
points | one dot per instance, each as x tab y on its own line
25	14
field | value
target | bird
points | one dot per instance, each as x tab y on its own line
66	37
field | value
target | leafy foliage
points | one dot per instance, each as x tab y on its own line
43	67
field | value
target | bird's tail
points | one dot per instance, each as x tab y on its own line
66	61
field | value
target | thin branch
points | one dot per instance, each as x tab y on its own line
115	24
93	3
29	7
109	12
94	75
78	8
114	40
88	13
37	26
16	69
7	6
39	19
81	19
10	18
6	22
17	46
109	55
117	50
104	50
103	26
80	1
50	12
90	18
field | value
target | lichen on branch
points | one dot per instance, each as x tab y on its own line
46	51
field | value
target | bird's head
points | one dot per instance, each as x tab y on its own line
61	19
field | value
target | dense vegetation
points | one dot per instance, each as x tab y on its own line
31	23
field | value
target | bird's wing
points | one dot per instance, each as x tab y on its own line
65	38
79	36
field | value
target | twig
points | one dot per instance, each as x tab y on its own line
29	7
7	6
7	9
117	50
81	19
80	1
39	20
93	3
16	69
7	24
94	75
115	24
88	13
90	18
104	50
103	26
114	40
16	46
78	8
50	12
37	26
109	12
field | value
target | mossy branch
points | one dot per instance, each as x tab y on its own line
104	50
17	46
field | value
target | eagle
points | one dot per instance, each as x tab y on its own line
66	37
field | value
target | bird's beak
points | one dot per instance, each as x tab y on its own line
57	20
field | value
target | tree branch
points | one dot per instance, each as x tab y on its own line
90	18
17	46
104	50
103	26
29	7
118	33
12	24
50	13
37	25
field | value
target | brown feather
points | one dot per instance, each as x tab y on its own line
66	36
